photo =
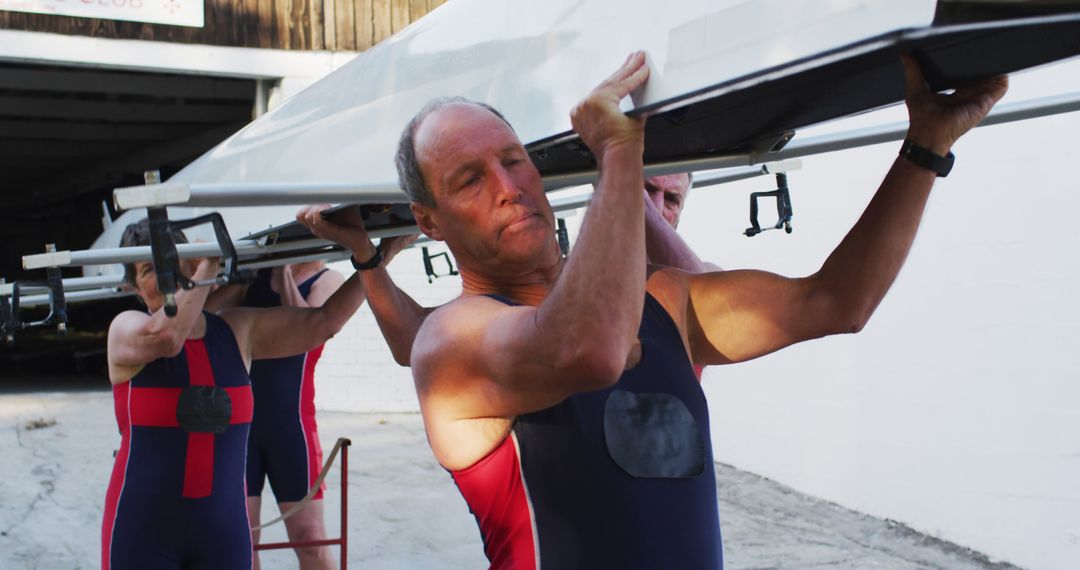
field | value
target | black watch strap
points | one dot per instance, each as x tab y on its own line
369	264
928	159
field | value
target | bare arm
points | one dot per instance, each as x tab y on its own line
136	338
665	246
321	290
226	296
398	315
284	331
287	288
740	315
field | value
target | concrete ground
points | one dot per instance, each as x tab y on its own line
56	452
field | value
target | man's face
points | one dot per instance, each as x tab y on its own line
668	194
490	205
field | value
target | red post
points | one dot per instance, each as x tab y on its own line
343	540
345	503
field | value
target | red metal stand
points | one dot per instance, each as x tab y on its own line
343	540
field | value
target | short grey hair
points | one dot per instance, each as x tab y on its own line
410	177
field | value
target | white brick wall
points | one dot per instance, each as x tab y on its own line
357	371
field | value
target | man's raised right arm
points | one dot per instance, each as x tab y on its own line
398	315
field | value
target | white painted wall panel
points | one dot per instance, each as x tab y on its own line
357	371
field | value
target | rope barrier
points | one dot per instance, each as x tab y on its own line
341	445
314	488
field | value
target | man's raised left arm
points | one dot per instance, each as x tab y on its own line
739	315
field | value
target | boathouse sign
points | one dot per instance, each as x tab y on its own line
176	12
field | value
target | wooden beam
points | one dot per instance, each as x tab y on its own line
399	15
365	25
222	15
417	9
299	27
345	23
282	24
252	28
266	23
329	25
238	23
380	17
315	25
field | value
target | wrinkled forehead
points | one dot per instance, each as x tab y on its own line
670	183
460	132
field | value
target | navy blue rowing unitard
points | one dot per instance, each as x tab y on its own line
617	478
176	498
284	443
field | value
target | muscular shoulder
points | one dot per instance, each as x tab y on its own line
453	386
451	333
668	285
126	319
462	314
126	324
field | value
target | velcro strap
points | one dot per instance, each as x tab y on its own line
204	409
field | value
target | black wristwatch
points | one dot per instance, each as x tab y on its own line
369	264
928	159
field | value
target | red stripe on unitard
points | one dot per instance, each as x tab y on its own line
243	404
199	371
199	466
199	462
156	407
496	494
307	419
119	472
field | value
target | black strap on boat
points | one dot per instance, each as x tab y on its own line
783	208
9	307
